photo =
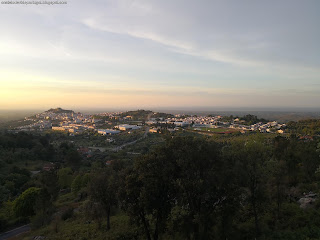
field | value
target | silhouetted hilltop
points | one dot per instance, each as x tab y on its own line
59	110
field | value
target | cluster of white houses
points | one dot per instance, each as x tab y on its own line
41	125
123	127
198	122
262	127
77	128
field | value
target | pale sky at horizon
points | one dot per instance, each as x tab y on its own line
168	53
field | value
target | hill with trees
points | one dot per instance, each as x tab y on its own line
137	115
59	110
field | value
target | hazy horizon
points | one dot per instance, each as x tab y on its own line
174	108
280	115
182	109
131	54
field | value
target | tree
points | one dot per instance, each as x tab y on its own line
49	182
80	182
147	193
65	176
103	191
182	181
43	210
23	206
253	156
73	158
200	185
278	171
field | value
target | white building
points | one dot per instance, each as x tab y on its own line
58	128
125	127
108	131
153	130
181	124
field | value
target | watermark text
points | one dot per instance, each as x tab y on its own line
34	2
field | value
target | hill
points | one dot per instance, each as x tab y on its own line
59	110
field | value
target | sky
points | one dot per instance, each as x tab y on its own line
165	53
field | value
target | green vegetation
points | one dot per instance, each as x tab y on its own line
182	185
304	127
252	119
246	119
137	115
24	205
162	115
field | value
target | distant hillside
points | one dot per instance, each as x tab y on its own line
137	115
304	127
59	110
162	115
286	117
9	115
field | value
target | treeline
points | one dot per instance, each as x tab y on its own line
162	115
188	188
252	119
198	189
19	154
248	119
304	127
137	115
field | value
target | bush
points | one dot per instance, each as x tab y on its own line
3	223
40	220
23	206
68	213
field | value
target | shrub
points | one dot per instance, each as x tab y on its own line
68	213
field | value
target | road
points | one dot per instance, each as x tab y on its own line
15	232
116	149
146	132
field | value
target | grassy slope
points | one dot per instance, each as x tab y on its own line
78	227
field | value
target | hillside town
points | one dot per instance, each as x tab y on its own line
110	123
